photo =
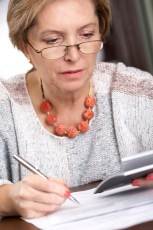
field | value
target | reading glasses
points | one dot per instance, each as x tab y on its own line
55	52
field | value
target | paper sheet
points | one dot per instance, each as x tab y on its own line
111	210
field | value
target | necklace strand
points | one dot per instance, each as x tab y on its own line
46	107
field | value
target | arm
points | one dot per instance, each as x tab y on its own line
6	208
32	196
132	98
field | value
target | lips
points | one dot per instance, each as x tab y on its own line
72	74
72	71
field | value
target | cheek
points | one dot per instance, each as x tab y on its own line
91	58
37	63
45	67
51	69
91	62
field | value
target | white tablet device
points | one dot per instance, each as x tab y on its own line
132	167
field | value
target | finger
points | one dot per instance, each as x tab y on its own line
30	209
45	208
32	214
142	182
46	185
149	177
43	197
138	182
59	187
58	180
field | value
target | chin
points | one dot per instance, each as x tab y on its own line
74	86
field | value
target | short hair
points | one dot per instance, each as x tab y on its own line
22	15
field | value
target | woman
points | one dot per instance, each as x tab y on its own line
69	117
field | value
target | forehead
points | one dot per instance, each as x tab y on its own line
61	14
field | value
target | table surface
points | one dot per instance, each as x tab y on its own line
14	223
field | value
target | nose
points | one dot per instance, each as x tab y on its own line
72	53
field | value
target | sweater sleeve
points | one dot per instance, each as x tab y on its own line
132	100
8	144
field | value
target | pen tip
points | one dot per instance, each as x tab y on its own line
74	199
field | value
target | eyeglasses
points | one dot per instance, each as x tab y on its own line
55	52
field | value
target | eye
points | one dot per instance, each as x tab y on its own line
52	41
88	34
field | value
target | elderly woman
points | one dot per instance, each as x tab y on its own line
69	117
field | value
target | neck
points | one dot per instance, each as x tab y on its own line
64	98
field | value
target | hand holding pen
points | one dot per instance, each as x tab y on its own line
36	171
36	196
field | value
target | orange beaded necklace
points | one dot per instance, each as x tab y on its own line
72	131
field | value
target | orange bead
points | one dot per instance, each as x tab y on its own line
50	119
45	106
60	130
90	102
88	114
83	126
72	132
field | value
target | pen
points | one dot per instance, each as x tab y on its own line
29	166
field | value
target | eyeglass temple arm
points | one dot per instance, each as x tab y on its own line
37	51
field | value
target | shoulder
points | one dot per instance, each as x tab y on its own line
121	70
11	87
122	78
102	77
134	73
9	94
132	81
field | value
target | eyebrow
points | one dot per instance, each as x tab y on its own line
48	31
89	24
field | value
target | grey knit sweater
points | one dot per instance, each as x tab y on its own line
122	126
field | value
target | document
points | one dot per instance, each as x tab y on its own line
111	210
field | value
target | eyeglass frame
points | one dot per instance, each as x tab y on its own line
66	48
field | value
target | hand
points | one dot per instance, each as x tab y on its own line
35	196
145	181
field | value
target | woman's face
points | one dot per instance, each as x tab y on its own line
64	22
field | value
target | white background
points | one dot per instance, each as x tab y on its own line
12	61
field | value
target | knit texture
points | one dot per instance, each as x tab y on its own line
122	126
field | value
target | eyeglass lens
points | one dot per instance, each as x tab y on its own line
59	51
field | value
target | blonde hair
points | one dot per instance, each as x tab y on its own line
22	15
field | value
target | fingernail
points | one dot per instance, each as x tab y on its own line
67	194
136	182
149	177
